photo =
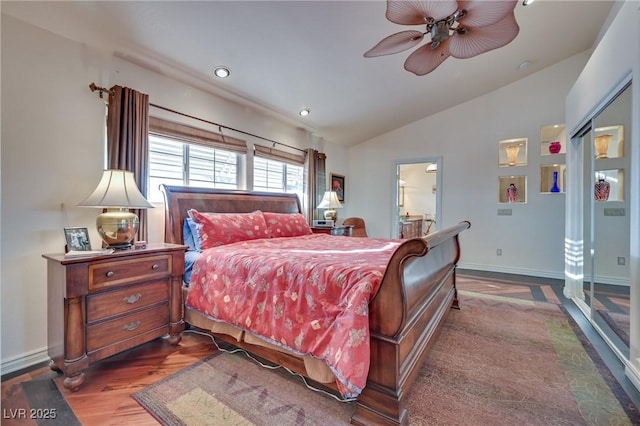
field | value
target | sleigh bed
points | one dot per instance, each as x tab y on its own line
411	300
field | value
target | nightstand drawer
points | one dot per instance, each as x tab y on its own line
116	302
121	272
125	327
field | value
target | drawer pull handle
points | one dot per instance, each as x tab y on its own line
132	299
110	274
132	326
154	266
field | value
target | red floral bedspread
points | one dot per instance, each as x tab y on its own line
309	294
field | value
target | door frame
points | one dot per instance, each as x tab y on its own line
395	208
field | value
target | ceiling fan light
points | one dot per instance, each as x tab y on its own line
439	31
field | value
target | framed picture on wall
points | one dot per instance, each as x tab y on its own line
337	185
77	239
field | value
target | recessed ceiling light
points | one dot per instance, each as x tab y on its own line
527	2
221	72
524	64
304	112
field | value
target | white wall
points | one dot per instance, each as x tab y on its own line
616	57
53	154
466	137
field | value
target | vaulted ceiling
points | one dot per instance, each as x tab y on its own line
289	55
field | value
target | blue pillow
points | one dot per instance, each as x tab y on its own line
190	235
189	259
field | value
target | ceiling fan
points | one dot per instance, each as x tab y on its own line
462	29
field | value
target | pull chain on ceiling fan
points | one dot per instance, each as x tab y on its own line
462	29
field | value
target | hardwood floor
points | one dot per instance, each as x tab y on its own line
104	398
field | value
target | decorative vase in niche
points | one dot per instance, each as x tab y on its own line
601	190
512	193
512	154
602	145
555	187
555	147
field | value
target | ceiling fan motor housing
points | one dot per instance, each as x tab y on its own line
440	31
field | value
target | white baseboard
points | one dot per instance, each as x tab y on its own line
539	273
509	270
26	360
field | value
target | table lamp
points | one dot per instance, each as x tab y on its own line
330	202
117	192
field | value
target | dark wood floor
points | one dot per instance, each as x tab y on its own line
104	398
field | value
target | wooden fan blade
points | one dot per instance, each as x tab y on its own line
426	59
483	39
413	12
395	43
480	13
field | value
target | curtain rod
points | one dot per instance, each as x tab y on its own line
93	88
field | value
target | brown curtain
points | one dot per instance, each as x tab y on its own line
128	140
316	181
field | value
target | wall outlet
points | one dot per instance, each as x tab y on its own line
621	260
499	252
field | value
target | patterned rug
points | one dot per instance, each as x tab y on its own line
498	361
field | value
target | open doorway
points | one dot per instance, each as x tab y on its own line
418	197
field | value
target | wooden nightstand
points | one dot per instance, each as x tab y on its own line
345	231
99	306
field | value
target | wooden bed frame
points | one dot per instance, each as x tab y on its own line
416	294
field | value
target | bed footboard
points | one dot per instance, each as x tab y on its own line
416	294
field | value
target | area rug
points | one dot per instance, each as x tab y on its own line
498	361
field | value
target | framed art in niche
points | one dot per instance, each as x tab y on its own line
512	189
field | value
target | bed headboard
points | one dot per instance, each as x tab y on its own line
179	199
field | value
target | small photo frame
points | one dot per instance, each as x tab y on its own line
337	185
77	239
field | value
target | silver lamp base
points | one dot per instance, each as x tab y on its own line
118	227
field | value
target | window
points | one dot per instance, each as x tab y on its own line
173	162
190	156
184	155
276	176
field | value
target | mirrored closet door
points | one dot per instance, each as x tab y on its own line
606	224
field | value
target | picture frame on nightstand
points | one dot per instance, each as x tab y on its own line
77	239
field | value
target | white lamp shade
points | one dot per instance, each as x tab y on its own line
330	201
117	188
